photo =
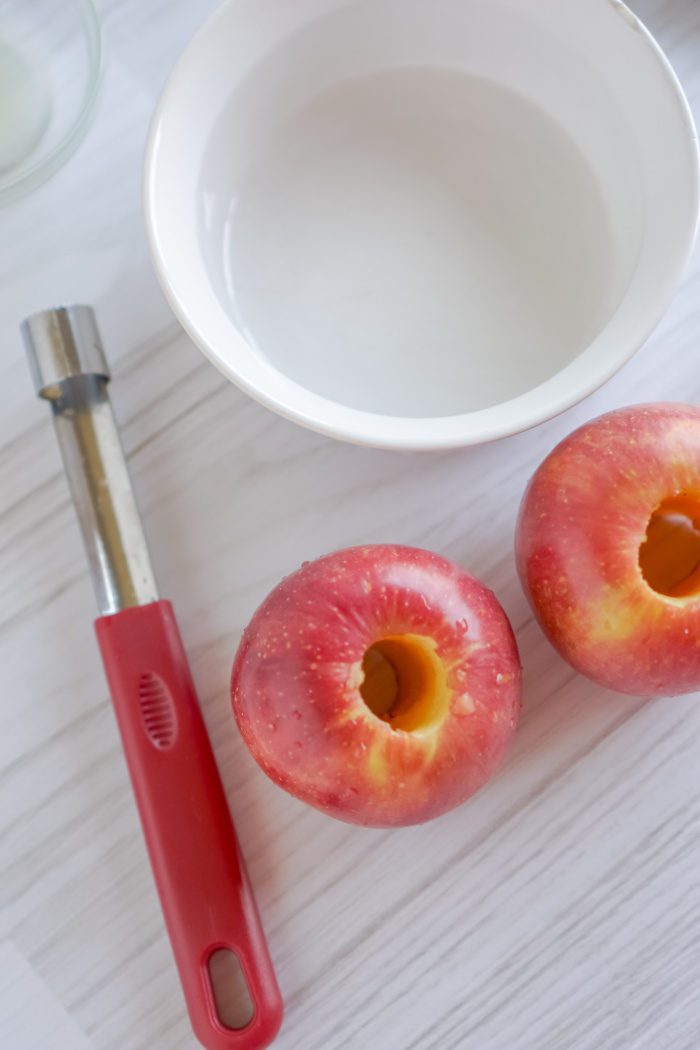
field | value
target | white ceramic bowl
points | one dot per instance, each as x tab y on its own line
421	223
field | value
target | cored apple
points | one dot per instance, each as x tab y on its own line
380	684
608	549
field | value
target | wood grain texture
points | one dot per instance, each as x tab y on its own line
559	910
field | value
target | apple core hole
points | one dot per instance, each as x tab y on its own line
669	557
405	683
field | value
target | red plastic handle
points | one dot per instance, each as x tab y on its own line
204	890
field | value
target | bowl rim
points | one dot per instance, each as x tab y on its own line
17	184
424	433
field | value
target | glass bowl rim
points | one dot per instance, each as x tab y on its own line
16	183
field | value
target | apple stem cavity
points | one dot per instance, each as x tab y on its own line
405	683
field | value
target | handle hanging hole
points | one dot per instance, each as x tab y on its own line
234	1006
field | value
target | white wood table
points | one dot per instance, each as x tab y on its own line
559	910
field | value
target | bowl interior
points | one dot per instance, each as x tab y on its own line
421	212
398	246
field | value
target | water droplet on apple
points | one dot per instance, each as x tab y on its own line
296	714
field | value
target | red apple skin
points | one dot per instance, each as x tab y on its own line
297	673
582	521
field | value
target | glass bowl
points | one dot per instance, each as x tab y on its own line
50	65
